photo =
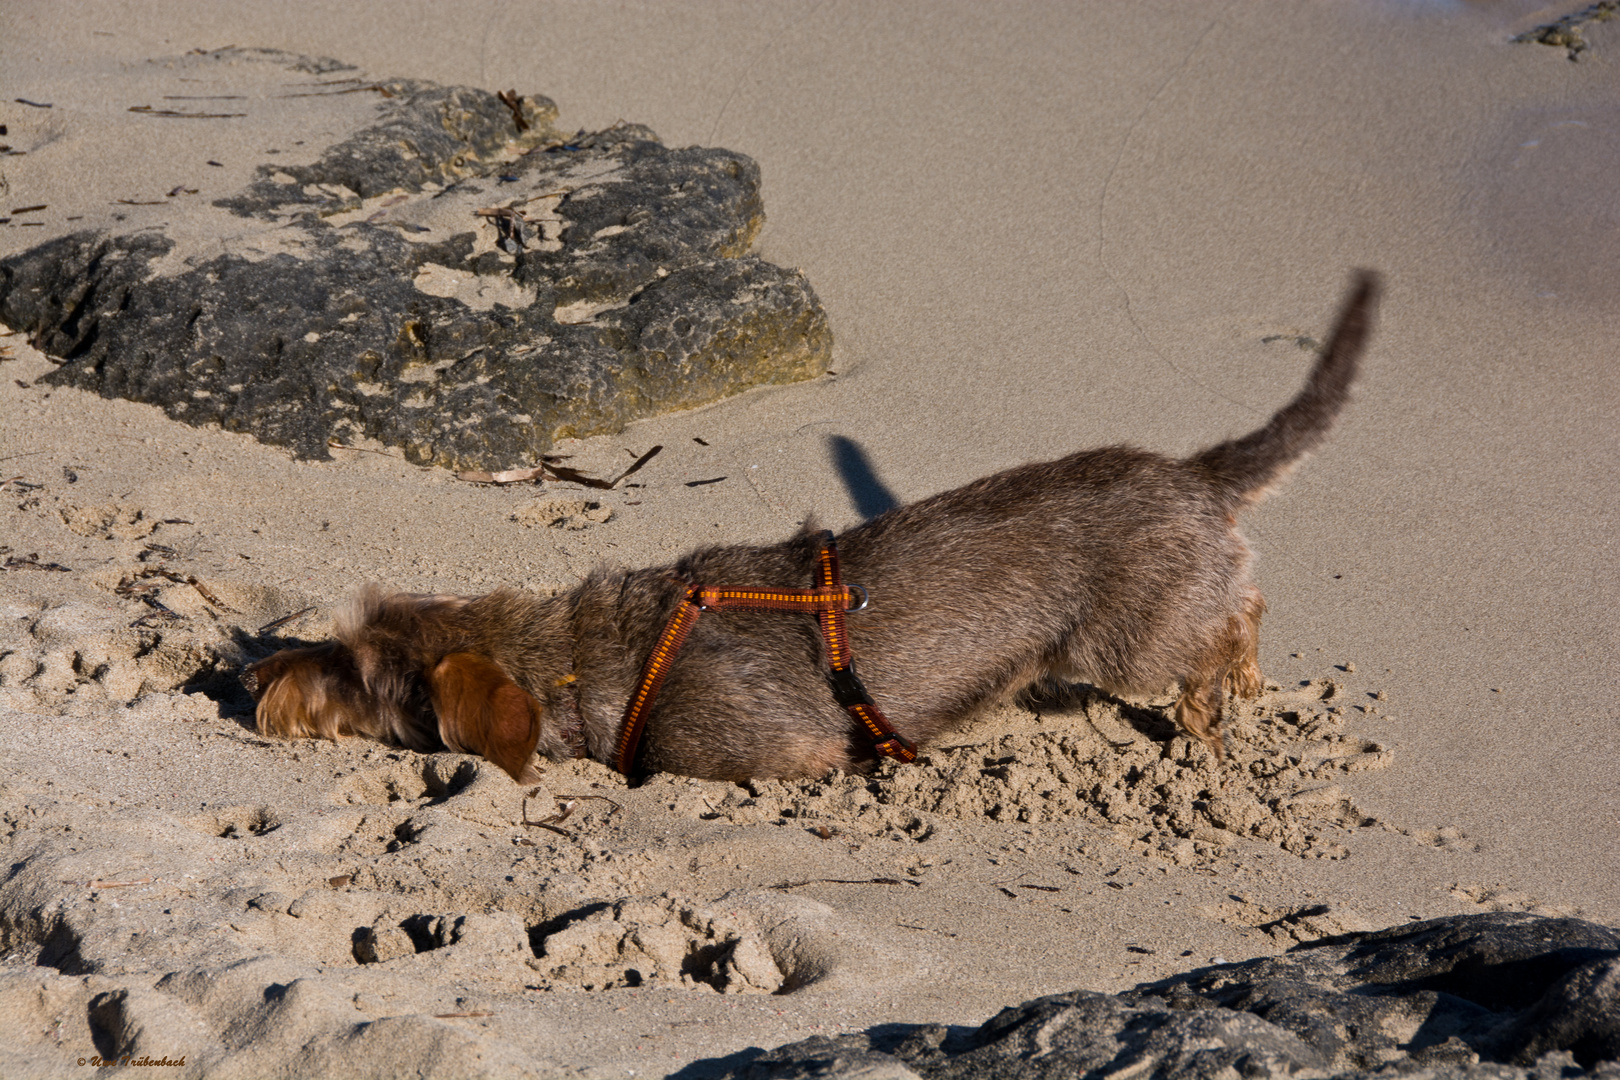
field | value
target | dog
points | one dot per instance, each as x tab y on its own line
1117	567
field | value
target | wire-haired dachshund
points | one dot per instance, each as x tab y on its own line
1117	567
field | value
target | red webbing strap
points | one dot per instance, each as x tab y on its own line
828	601
847	687
832	622
816	600
652	677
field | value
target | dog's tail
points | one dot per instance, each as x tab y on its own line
1244	469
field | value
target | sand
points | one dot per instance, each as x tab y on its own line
1034	229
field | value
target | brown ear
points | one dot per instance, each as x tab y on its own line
306	693
483	712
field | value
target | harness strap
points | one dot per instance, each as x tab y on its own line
829	600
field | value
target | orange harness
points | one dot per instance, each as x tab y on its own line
828	600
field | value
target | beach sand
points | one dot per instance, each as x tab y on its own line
1034	229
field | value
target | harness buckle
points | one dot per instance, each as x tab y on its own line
865	597
847	688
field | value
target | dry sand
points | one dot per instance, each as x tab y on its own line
1034	229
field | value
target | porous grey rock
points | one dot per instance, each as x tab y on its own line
1501	995
442	280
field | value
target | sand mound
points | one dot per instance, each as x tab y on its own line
72	657
658	941
1122	768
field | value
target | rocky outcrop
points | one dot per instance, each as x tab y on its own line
1497	995
457	279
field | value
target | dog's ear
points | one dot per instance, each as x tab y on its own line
306	693
481	711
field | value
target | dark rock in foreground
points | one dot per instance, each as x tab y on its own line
456	279
1500	995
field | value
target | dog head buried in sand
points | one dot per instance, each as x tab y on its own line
1116	567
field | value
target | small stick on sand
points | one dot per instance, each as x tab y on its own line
357	449
846	881
273	623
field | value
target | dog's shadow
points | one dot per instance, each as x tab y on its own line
1052	697
866	489
221	682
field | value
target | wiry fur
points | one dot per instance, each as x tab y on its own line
1117	566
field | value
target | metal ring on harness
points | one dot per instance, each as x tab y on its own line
864	597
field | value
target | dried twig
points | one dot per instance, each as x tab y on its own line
334	444
127	587
97	883
559	472
273	623
846	881
569	804
383	90
147	110
510	234
640	461
510	99
574	476
926	929
31	562
554	820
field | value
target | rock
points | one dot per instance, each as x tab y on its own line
440	281
1495	995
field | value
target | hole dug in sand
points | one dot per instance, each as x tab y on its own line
741	943
108	522
466	939
236	822
563	512
407	776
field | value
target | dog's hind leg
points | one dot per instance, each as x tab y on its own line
1243	678
1229	665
